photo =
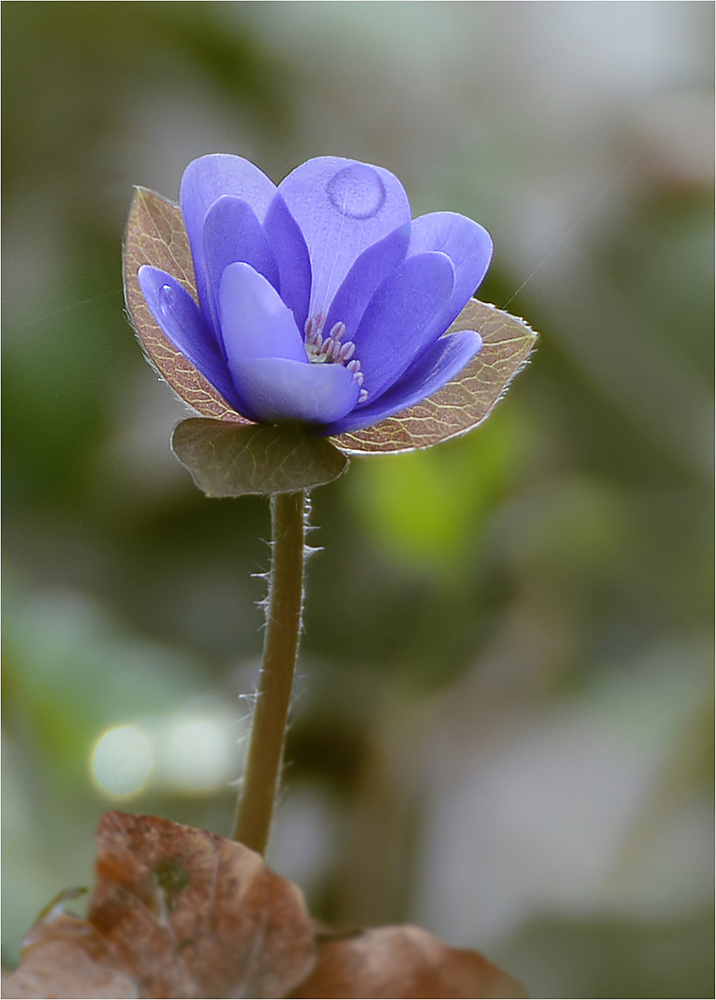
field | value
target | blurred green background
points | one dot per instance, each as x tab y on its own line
502	727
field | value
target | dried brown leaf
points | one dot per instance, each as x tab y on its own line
190	914
403	961
463	403
175	913
182	913
62	956
156	235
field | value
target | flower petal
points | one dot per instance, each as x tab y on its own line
291	255
400	320
467	244
279	389
255	323
204	181
179	316
232	233
372	267
437	366
342	207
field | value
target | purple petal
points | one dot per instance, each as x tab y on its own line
291	255
278	390
468	246
400	321
233	233
179	316
255	323
342	207
205	180
372	267
437	366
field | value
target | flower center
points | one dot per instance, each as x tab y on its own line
330	350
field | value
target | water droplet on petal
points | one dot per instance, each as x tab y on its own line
357	191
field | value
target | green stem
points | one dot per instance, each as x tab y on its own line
283	625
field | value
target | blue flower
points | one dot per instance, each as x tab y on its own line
320	301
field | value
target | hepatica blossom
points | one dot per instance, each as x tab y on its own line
319	301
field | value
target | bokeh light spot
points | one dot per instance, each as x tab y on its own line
122	761
200	753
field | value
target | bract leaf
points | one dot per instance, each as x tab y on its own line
403	961
156	235
229	460
463	403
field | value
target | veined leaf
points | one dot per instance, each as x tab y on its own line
156	235
229	460
463	403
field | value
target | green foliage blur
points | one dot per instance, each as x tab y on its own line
502	727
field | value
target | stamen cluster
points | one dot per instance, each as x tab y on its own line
322	350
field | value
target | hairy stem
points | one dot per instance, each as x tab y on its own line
283	625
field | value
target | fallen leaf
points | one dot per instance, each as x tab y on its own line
403	961
62	956
181	913
190	914
175	913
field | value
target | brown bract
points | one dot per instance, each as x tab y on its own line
462	404
155	235
182	913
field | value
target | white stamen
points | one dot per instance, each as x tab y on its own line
337	331
347	351
330	350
